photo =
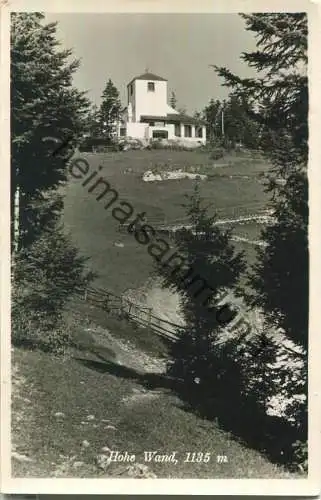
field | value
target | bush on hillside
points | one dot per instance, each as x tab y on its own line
217	153
38	331
174	145
208	375
258	378
300	452
98	144
207	250
129	143
274	388
46	274
221	374
47	121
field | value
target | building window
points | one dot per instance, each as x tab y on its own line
187	131
160	134
177	129
122	131
199	132
151	87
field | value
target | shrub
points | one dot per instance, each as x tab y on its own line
46	274
58	339
156	144
300	453
128	143
257	376
24	328
98	144
207	251
217	153
257	357
37	331
173	145
273	391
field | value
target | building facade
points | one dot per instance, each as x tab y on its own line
148	115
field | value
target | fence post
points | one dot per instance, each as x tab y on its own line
85	294
149	316
122	307
106	303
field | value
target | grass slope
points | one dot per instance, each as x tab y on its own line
111	391
91	399
234	189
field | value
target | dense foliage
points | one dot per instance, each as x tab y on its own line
93	125
280	95
209	254
43	104
46	274
173	100
110	109
47	119
262	377
230	123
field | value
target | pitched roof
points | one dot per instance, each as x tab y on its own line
183	118
174	118
148	76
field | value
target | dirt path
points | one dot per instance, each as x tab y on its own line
69	414
164	303
124	353
26	463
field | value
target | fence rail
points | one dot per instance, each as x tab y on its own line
121	306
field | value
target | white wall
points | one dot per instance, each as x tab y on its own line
147	102
151	103
137	130
131	99
144	131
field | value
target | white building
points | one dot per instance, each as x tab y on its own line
148	116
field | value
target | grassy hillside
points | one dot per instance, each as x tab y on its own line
234	189
109	395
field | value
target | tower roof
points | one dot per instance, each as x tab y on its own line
148	76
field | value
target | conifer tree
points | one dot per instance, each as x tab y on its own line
210	256
47	120
93	122
44	104
173	100
110	110
279	95
212	117
239	126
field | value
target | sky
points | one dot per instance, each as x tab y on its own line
178	47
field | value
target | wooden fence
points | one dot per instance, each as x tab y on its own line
120	306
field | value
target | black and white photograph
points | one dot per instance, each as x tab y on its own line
159	241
